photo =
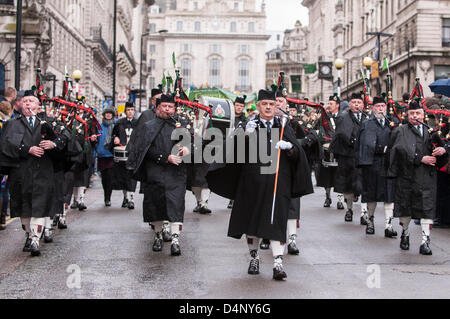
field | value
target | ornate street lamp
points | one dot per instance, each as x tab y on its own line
77	75
339	64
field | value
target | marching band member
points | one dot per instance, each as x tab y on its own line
163	173
343	147
121	137
413	163
372	150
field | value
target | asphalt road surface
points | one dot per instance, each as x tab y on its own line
106	253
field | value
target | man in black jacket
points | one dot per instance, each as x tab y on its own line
26	150
372	150
413	163
161	170
343	147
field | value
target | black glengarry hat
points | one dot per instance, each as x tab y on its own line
266	95
241	100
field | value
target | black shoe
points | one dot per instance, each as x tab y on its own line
253	268
293	249
82	207
349	216
197	208
175	250
364	219
130	205
230	205
74	205
404	242
265	244
107	203
204	211
167	237
158	244
390	233
327	203
27	247
125	203
48	238
340	206
278	272
34	248
370	228
62	224
425	249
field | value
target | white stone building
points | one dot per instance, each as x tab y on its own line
77	34
217	43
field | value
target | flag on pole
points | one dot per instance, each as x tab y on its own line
174	60
163	81
385	64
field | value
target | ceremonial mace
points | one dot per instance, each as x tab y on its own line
284	121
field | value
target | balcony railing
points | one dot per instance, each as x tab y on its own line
96	33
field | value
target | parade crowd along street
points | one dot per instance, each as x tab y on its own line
376	150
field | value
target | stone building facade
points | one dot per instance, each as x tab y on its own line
420	39
217	43
77	34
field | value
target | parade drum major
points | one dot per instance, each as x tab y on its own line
222	113
329	160
120	154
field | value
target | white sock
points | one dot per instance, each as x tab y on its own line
388	214
404	222
176	231
340	198
37	226
82	194
48	223
157	226
26	224
371	208
292	230
253	245
205	193
130	196
364	208
426	229
349	199
76	193
278	262
277	248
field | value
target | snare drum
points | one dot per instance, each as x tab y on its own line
120	154
329	160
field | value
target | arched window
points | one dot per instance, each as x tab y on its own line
2	79
186	72
214	72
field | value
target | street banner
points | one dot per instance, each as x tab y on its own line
375	70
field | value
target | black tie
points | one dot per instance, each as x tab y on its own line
30	119
269	127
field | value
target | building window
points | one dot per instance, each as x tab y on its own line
233	27
251	27
151	65
441	72
243	49
180	26
2	79
236	6
195	5
186	47
214	72
152	28
186	72
446	32
197	26
151	82
152	48
243	75
215	48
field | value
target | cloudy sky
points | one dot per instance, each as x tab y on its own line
282	14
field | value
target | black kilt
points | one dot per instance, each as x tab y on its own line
196	175
122	178
294	209
58	200
376	187
348	176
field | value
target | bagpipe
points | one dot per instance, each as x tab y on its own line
66	111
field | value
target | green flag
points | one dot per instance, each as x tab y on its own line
385	64
174	60
163	81
309	68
